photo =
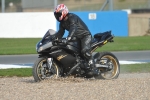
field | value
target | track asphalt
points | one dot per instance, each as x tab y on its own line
26	61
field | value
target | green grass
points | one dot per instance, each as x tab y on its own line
19	72
135	68
10	46
26	72
127	44
14	46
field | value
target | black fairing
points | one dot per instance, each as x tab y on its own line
46	44
65	54
65	58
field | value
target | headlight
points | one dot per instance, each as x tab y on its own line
38	45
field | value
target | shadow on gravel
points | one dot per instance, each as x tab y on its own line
60	79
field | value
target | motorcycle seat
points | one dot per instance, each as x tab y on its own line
99	35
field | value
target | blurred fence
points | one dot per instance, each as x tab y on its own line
139	24
73	5
34	25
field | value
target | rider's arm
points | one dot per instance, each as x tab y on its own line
60	32
73	26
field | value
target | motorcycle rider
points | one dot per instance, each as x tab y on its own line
76	28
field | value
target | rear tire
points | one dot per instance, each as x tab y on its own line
113	62
40	70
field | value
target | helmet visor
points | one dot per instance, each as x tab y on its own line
57	15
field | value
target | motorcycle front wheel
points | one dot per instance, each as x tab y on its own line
41	71
110	60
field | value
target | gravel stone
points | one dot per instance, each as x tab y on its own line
131	86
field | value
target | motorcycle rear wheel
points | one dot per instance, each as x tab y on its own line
112	61
40	70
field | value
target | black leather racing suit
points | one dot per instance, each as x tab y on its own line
77	28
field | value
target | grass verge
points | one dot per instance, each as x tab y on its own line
26	72
127	44
14	46
19	72
135	68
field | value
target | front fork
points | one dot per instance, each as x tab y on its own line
49	63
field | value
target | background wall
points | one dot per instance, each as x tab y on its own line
34	25
26	25
116	21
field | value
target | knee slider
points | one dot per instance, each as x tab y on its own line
87	55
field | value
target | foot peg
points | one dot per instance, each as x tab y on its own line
72	69
93	72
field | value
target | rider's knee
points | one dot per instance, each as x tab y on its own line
86	53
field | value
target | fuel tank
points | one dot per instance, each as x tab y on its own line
74	46
66	59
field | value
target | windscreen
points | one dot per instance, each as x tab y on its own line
50	32
48	36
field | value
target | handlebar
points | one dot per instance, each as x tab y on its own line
63	41
59	41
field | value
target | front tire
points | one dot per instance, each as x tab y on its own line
41	71
112	61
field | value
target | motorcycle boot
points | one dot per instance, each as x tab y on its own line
92	70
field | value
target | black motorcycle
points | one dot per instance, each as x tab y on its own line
60	59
